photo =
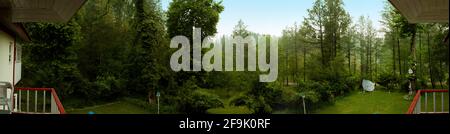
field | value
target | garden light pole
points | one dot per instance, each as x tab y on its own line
304	107
157	98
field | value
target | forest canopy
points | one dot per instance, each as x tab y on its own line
113	49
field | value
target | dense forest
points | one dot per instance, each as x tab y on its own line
115	49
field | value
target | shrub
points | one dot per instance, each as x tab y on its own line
259	105
198	102
381	87
318	93
260	99
240	100
389	80
404	85
352	82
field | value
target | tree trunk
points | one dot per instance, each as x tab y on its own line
361	64
139	18
321	45
287	65
349	60
367	67
304	63
321	35
420	57
354	64
363	59
429	60
376	57
370	59
335	44
413	56
399	56
296	55
150	97
393	56
440	78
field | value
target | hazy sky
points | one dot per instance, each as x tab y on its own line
272	16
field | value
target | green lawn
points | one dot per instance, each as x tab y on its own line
377	102
230	110
119	107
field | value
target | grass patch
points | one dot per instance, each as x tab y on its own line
125	106
230	110
377	102
119	107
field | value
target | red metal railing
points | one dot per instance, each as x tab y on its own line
416	107
56	106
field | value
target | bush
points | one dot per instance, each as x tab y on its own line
259	105
330	81
404	85
260	99
352	82
421	83
288	99
389	80
240	100
318	93
380	87
198	102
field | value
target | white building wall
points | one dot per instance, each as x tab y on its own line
6	62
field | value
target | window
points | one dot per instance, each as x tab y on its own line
18	54
10	52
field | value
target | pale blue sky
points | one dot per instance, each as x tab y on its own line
272	16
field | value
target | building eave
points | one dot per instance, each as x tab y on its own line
41	10
423	11
15	12
14	29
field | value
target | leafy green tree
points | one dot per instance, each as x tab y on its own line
50	58
330	21
315	21
241	29
183	16
103	49
147	66
408	29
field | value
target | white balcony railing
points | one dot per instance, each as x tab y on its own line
430	101
37	101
